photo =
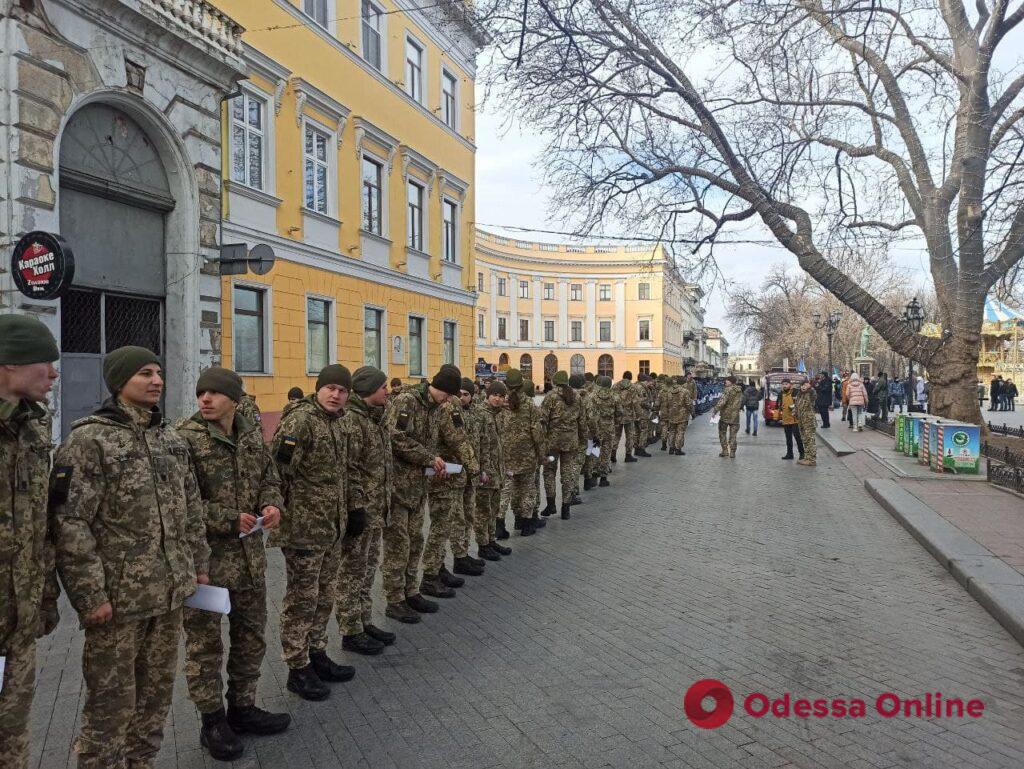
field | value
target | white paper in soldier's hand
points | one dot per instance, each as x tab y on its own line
594	451
449	467
715	419
258	526
210	598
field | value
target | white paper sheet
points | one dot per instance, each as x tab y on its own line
654	421
254	529
210	598
715	419
3	666
449	467
594	451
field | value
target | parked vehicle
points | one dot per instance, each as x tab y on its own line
772	385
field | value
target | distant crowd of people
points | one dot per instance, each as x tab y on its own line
1002	394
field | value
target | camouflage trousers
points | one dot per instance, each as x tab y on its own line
487	513
809	436
204	650
445	519
675	435
462	534
310	590
590	464
15	704
566	463
505	497
359	559
727	436
522	491
128	670
603	463
403	546
629	428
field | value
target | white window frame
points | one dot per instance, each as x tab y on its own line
447	73
639	325
454	324
382	32
502	287
384	340
332	329
364	156
331	136
549	292
553	325
573	324
423	344
639	292
456	208
611	330
524	289
573	296
481	325
502	324
604	292
421	218
480	282
331	11
523	323
415	89
268	327
249	91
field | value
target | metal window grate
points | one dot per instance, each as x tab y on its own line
132	320
80	322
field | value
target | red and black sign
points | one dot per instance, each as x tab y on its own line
43	265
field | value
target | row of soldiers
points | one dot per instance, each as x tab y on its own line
134	514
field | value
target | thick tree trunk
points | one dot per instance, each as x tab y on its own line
953	381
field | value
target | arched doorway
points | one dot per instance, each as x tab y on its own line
577	365
550	366
114	200
606	366
503	362
526	365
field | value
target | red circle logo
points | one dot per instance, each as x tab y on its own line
693	703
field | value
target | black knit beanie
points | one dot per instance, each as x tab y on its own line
123	363
448	379
335	374
367	380
221	380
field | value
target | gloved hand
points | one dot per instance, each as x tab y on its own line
356	523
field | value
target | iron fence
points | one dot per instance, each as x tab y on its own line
1004	429
1006	476
881	425
1004	454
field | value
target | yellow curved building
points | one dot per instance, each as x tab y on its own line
543	307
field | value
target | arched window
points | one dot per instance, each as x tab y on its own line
526	366
577	364
503	362
606	366
550	366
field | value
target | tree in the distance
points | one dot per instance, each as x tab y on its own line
839	126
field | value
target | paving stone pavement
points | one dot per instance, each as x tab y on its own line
575	652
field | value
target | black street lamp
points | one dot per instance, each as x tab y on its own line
913	316
830	324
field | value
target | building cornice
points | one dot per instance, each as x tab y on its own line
560	260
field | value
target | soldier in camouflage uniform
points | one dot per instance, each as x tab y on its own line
523	450
563	414
729	407
676	408
630	409
454	445
310	448
238	483
29	590
131	546
605	413
249	409
587	461
806	418
492	472
371	473
643	424
476	421
413	424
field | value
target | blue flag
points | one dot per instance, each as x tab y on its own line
801	367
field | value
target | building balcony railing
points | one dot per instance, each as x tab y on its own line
199	18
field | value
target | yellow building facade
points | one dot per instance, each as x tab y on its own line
349	151
544	307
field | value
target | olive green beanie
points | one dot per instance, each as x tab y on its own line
334	374
513	378
25	340
123	363
560	378
221	380
367	380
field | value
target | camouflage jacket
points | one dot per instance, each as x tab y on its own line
310	448
605	412
492	463
806	416
369	460
643	397
127	515
627	400
413	425
457	435
248	408
729	404
523	439
235	475
28	580
565	421
691	387
675	404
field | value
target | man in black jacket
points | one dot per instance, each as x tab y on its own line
823	400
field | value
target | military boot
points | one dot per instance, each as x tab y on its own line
500	532
565	512
219	738
501	549
588	482
327	669
402	612
448	579
249	719
575	500
526	527
630	458
664	445
615	457
488	553
386	637
642	452
538	523
307	684
362	643
475	561
432	586
466	566
550	509
603	481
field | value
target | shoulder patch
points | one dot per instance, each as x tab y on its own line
61	484
287	449
403	420
457	420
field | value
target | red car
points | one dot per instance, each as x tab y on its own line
772	384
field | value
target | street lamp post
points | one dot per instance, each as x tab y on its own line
913	316
830	324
